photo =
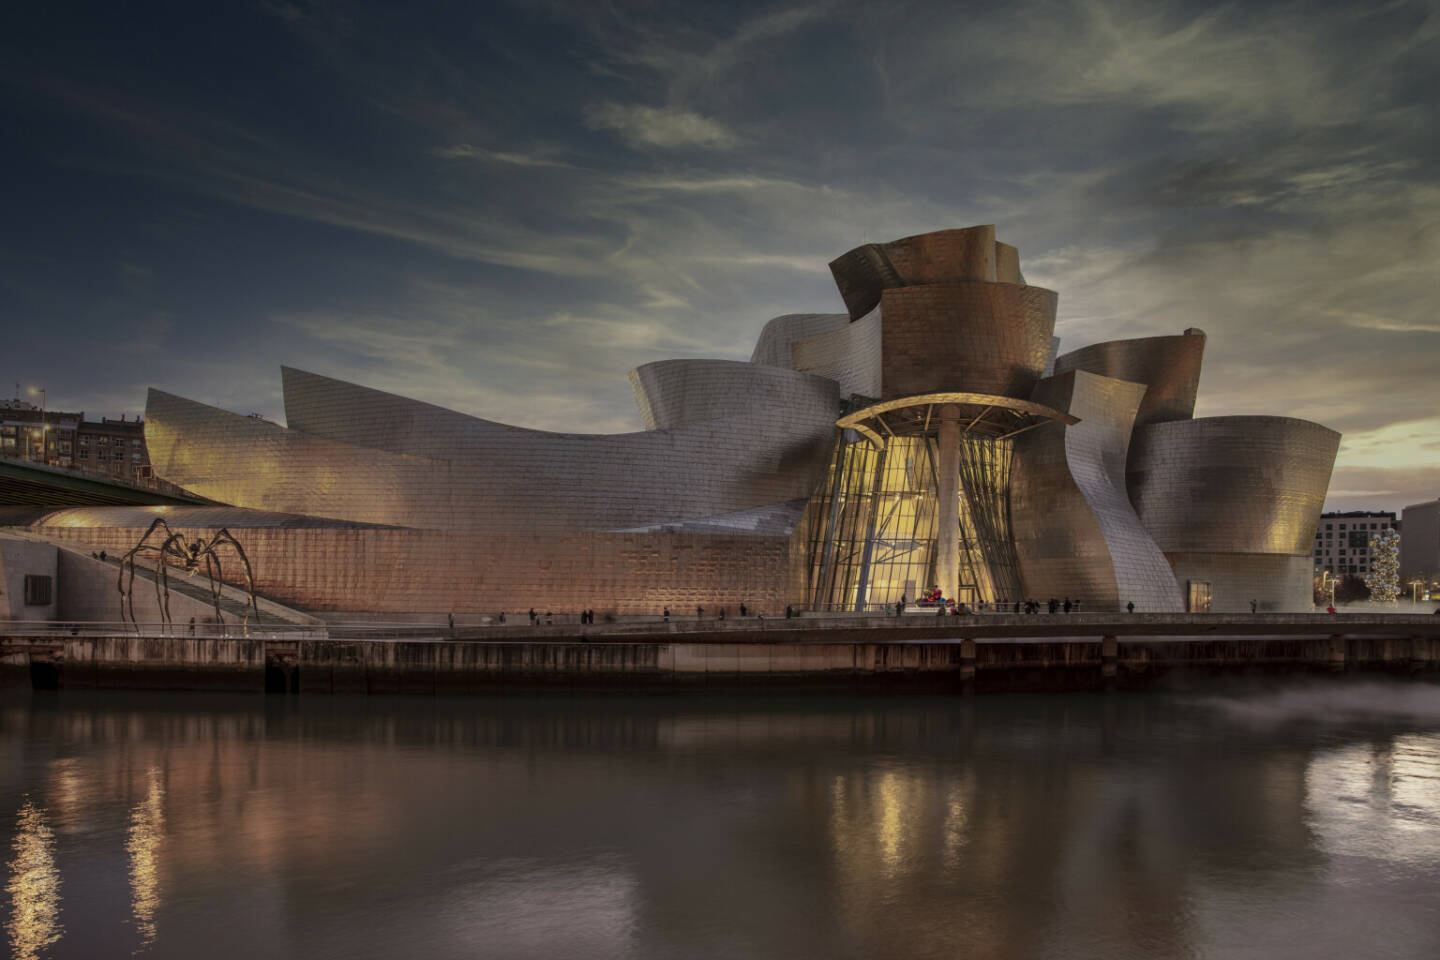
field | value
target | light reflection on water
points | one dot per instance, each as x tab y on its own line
1298	821
34	886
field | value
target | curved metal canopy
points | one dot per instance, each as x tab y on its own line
982	413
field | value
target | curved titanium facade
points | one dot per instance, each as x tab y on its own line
370	456
850	356
1233	502
1075	531
1168	366
944	256
672	393
977	337
773	348
1232	484
950	468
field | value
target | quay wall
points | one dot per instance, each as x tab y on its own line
430	667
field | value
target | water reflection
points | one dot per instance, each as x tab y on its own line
34	886
147	829
1127	827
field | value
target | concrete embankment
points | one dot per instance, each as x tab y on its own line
814	659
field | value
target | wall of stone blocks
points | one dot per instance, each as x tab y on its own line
89	591
1279	584
398	570
1232	484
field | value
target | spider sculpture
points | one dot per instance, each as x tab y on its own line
188	556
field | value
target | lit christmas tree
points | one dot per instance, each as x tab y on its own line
1384	577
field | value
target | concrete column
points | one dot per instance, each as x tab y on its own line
947	543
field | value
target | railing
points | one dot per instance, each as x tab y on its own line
925	606
234	630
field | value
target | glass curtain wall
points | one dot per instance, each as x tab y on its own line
872	524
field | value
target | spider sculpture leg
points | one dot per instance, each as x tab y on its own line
215	575
225	536
127	596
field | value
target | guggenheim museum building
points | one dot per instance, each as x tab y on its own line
930	436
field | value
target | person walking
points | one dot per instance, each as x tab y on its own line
699	611
666	614
1067	604
1253	606
789	612
742	609
1130	607
532	616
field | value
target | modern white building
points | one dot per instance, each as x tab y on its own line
1342	540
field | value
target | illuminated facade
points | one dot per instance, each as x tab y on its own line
929	437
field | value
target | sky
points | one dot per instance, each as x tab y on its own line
503	208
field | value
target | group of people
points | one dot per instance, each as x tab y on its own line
700	613
961	608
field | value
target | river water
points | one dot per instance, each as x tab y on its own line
1257	821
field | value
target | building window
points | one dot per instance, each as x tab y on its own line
37	590
1329	526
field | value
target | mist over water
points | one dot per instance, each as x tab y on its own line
1294	820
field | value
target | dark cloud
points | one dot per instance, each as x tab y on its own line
504	208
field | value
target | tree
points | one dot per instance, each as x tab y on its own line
1350	589
1383	580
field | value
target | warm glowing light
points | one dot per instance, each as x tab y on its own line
147	829
34	886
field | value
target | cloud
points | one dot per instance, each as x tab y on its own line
465	151
664	127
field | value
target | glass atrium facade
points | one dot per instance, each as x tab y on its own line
872	524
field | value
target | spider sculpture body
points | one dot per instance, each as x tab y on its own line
188	555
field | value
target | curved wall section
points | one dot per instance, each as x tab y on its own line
850	356
1169	366
1076	534
776	340
675	392
450	471
1232	484
945	256
978	337
1277	583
